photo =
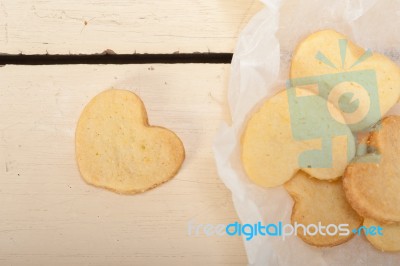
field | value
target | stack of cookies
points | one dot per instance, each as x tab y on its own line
327	140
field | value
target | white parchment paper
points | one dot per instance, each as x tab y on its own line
259	69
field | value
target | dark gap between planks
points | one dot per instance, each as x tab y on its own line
176	58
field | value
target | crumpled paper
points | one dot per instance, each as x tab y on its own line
259	69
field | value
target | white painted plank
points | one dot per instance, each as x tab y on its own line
50	216
124	26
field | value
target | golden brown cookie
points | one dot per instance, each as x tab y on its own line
321	202
270	153
372	183
116	148
348	69
390	238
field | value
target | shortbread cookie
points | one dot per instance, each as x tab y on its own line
321	202
373	186
390	238
362	84
116	148
271	153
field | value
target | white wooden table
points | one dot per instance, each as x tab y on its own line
48	215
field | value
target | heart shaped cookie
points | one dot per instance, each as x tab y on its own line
116	148
373	186
321	202
362	84
390	238
294	130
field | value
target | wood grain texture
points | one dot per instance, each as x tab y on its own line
49	215
124	26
